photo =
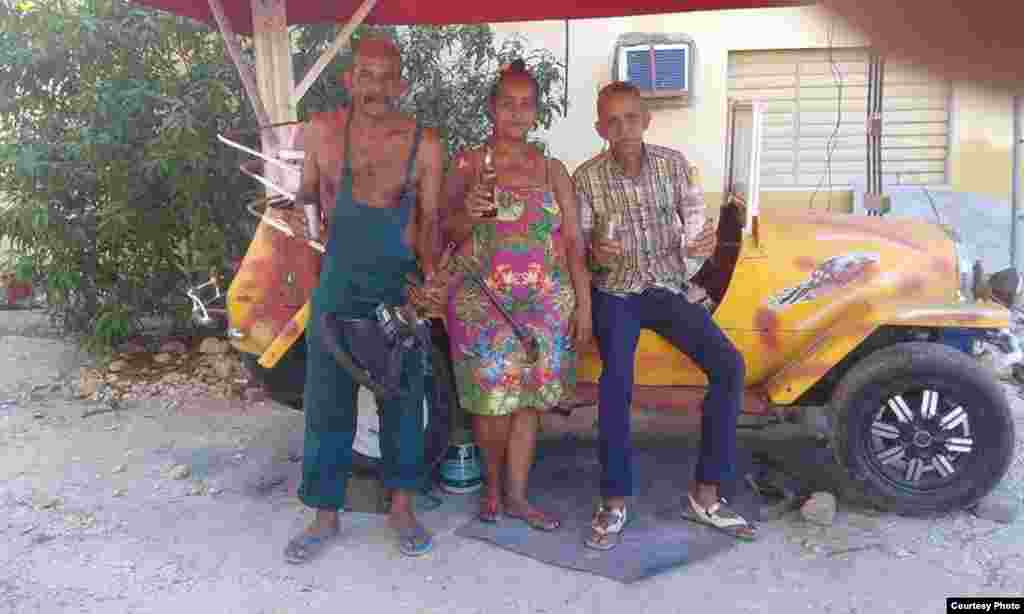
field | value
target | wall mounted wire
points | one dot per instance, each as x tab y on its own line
831	144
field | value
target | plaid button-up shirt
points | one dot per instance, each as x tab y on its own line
657	212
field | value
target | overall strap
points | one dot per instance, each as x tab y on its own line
346	168
410	166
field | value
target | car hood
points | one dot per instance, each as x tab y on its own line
809	266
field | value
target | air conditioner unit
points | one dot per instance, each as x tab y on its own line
660	69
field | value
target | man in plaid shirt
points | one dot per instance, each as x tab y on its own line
640	281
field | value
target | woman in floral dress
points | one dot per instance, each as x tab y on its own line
529	255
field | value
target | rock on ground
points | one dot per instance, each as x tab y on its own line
1001	509
820	509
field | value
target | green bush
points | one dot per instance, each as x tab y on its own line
119	196
450	70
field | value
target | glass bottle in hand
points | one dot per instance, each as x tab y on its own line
606	228
489	179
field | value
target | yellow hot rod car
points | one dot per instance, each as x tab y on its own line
871	318
866	316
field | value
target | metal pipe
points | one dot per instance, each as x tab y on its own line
869	158
1018	138
283	226
260	155
880	108
565	94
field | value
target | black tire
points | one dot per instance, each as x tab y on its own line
878	438
285	382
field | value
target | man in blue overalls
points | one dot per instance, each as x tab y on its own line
383	174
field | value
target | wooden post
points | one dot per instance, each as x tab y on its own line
274	79
274	73
244	71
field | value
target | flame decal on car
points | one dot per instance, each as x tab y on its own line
831	275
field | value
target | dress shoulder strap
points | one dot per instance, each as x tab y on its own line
547	169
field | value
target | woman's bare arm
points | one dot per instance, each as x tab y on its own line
572	247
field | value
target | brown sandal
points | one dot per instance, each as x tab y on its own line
490	509
538	520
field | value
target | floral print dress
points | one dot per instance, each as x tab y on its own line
520	261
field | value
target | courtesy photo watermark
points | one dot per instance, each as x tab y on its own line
984	604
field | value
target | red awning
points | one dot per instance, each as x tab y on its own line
437	12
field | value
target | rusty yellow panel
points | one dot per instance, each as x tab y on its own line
764	347
832	345
248	288
658	363
811	271
275	280
288	336
822	353
981	314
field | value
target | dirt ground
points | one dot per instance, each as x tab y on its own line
93	518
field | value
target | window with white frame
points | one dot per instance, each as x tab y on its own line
816	103
660	70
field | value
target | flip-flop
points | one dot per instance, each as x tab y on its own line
538	521
718	516
306	546
610	534
490	509
415	540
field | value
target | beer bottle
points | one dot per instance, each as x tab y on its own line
489	178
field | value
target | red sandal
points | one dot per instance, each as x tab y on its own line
490	509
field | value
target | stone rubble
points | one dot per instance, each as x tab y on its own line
178	371
819	509
179	472
1001	509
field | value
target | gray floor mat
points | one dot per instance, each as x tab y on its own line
565	482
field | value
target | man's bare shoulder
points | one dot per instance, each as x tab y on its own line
557	168
322	125
323	120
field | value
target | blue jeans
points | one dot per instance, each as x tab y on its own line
689	327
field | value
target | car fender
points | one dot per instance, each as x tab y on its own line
289	333
846	333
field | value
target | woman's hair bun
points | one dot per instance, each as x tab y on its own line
517	65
